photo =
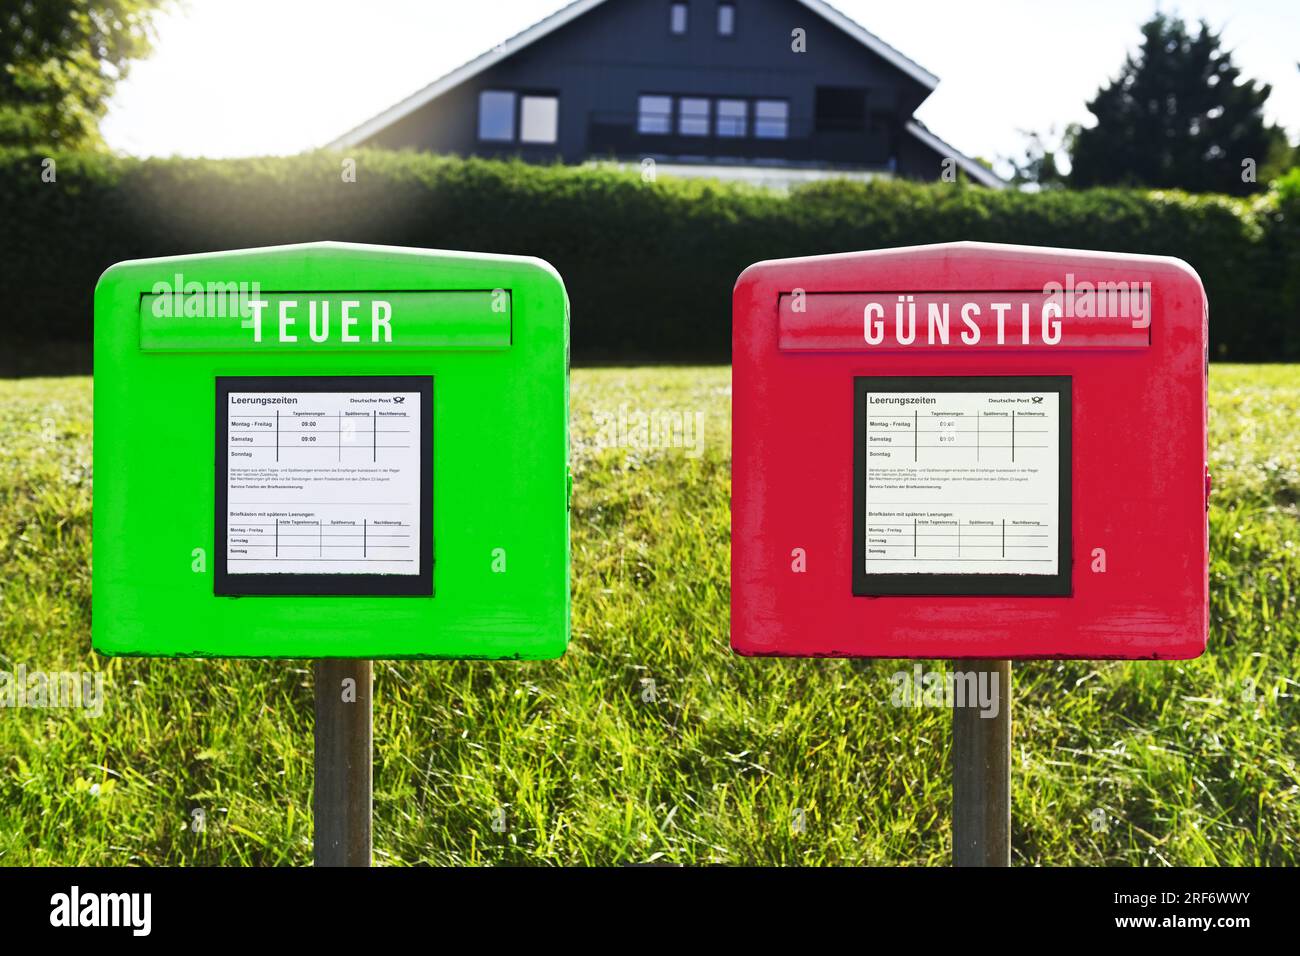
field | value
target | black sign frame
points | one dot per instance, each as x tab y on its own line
230	584
951	584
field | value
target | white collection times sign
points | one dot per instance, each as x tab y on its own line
960	484
323	482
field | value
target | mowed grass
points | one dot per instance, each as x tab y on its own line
720	760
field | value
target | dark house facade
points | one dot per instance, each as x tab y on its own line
757	89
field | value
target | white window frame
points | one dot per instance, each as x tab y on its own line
643	117
705	119
771	127
725	127
552	121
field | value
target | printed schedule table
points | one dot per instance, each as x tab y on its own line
322	482
961	483
358	433
328	540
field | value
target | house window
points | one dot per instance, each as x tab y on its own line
693	116
731	117
496	116
840	108
726	19
771	119
539	119
654	114
677	18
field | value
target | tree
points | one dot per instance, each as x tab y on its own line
1178	116
61	61
1283	159
1045	160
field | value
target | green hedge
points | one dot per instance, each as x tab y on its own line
649	266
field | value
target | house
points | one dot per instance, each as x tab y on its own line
773	91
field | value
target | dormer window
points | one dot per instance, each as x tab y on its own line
678	18
726	19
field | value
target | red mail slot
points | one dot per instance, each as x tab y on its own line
969	450
921	320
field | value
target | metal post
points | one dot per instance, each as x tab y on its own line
344	757
981	768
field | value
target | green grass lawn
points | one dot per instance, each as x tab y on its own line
1114	763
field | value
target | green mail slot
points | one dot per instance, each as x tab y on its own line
331	450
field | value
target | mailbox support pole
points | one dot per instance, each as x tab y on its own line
981	770
344	759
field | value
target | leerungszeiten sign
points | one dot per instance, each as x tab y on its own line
321	485
965	485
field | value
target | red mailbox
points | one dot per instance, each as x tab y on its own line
970	451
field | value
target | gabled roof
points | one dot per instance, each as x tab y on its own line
572	12
981	174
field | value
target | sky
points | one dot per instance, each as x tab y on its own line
265	77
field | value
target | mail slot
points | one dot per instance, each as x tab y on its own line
970	450
331	450
969	319
177	322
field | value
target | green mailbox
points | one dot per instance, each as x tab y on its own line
331	451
